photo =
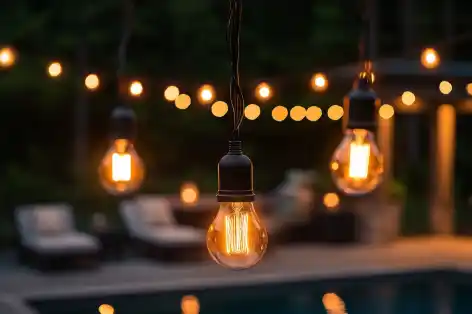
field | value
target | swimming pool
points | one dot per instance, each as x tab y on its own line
437	292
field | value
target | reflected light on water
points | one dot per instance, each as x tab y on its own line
190	305
333	304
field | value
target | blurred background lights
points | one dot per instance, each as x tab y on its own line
183	101
335	112
445	87
319	82
7	57
468	88
106	309
171	93
136	88
365	74
298	113
331	201
408	98
219	109
206	94
54	69
430	58
252	112
279	113
333	304
92	81
313	113
263	91
189	193
386	111
190	305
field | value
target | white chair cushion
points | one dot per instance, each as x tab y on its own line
155	210
69	242
51	219
176	235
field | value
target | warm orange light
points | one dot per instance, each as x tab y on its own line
7	57
331	201
171	93
136	88
335	112
183	101
189	193
298	113
54	69
469	89
333	304
279	113
430	58
386	111
219	109
92	81
408	98
314	113
445	87
206	94
190	305
252	111
319	82
263	91
106	309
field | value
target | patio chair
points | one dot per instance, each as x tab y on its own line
152	226
48	238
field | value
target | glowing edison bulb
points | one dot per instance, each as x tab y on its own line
357	165
121	170
237	239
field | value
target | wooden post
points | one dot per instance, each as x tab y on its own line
442	196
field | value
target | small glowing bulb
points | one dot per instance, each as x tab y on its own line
55	69
121	170
319	82
7	57
386	111
171	93
263	91
357	164
408	98
219	109
189	193
190	305
206	94
252	112
445	87
430	58
331	201
279	113
237	239
92	82
469	89
106	309
313	113
136	88
335	112
333	304
298	113
183	101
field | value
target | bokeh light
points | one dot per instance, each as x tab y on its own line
206	94
171	93
190	305
430	58
7	57
335	112
279	113
189	193
136	88
106	309
252	111
314	113
331	201
333	304
263	91
468	88
183	101
54	69
92	81
445	87
319	82
408	98
219	109
297	113
386	111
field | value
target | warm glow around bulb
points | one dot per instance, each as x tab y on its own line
190	305
252	112
7	57
206	94
183	101
279	113
331	201
219	109
263	91
54	69
469	89
408	98
445	87
386	111
106	309
319	82
171	93
430	58
189	193
92	81
298	113
314	113
335	112
136	88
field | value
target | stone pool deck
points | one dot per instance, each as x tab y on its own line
292	263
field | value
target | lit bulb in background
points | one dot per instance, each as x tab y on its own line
183	101
430	58
297	113
206	94
237	239
333	304
121	170
357	165
335	112
136	88
408	98
171	93
7	57
386	111
92	82
279	113
445	87
189	193
252	111
319	82
331	201
263	91
190	305
468	88
106	309
219	109
313	113
54	69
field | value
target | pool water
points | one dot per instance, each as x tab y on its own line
415	293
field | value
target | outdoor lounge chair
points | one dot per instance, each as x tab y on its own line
152	226
48	238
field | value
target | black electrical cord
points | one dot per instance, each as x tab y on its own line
364	45
127	24
233	38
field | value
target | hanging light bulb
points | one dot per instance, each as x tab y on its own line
357	164
122	170
236	238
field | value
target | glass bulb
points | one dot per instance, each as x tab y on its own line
237	239
121	170
357	164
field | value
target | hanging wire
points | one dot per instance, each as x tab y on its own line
233	38
127	24
364	45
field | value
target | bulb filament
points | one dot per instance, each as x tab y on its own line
359	156
121	167
237	233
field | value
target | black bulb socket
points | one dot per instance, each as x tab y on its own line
235	176
123	123
361	106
